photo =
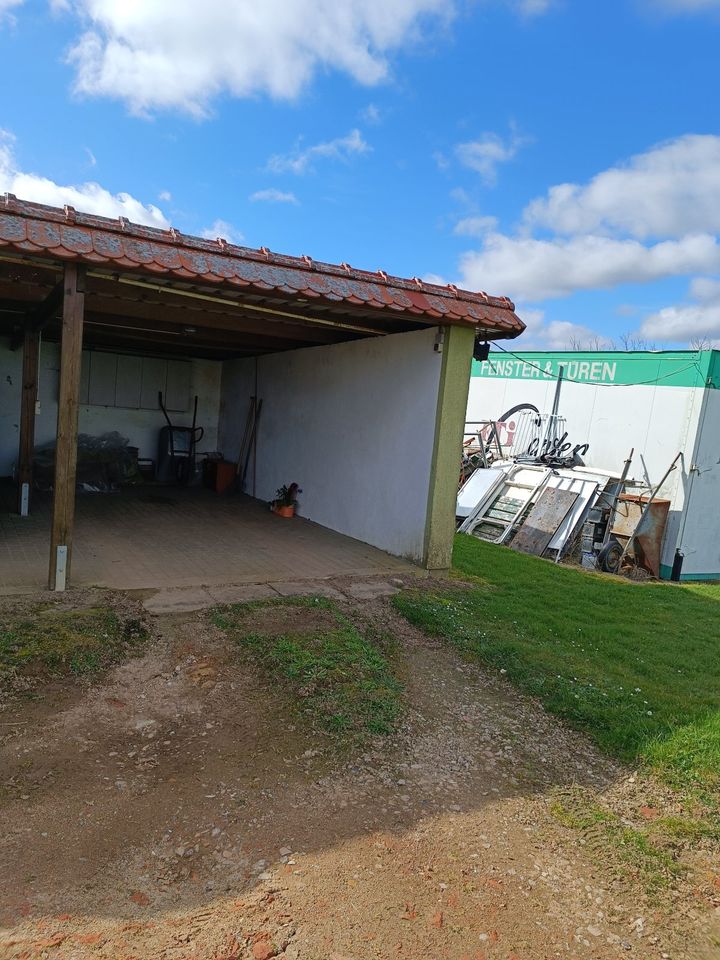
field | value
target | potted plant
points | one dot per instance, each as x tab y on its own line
285	500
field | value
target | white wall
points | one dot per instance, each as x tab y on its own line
353	424
139	426
699	535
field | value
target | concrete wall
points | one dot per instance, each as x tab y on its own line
139	426
353	424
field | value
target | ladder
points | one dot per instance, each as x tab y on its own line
496	516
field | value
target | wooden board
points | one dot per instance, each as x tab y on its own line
544	518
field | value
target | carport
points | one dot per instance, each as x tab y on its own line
363	377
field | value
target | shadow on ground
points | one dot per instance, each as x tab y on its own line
182	807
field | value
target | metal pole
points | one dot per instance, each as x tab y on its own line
550	428
647	507
613	505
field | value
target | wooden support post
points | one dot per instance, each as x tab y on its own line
67	426
31	352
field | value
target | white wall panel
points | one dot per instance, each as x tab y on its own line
140	426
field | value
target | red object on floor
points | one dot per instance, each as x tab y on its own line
219	475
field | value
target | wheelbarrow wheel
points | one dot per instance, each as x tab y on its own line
610	556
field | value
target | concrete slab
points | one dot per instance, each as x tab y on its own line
178	601
371	589
242	593
307	588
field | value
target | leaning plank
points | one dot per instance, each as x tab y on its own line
545	517
67	427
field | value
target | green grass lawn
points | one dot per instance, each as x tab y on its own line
337	675
636	666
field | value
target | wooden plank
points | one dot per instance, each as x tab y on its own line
39	315
544	518
67	427
31	354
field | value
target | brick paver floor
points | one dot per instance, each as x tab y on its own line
168	537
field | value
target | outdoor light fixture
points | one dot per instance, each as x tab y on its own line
481	350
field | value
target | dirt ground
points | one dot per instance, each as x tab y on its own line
179	808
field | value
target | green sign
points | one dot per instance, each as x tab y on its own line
681	368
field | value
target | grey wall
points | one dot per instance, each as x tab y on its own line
353	424
139	426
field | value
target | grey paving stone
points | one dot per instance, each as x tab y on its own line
371	589
241	593
178	601
306	588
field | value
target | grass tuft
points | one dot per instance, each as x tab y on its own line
339	676
59	641
632	851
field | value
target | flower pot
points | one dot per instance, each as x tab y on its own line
286	512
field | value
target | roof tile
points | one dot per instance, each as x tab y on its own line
69	234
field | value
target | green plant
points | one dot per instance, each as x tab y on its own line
286	496
338	675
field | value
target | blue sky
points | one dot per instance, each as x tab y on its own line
564	153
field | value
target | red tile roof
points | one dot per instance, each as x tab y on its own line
67	234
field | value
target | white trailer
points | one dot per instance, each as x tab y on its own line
659	403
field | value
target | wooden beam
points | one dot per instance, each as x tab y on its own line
67	427
28	399
196	314
39	315
132	328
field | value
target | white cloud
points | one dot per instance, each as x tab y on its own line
162	54
672	189
434	278
92	159
683	323
221	229
695	320
475	226
485	154
541	334
525	268
165	196
273	196
657	216
371	114
6	8
705	289
88	197
301	161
